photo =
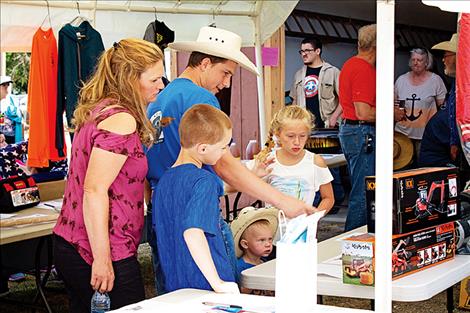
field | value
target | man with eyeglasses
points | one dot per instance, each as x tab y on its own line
315	85
440	143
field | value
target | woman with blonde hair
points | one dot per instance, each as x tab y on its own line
100	225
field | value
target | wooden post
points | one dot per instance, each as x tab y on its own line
274	77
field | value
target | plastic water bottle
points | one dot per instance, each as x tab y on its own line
100	302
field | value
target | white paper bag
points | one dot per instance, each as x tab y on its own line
296	277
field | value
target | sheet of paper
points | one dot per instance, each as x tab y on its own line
5	216
55	205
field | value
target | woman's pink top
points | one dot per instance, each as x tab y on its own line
126	193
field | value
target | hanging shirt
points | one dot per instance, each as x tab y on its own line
311	85
79	50
42	99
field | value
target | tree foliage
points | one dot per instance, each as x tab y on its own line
18	68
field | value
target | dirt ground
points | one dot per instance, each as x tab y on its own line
25	291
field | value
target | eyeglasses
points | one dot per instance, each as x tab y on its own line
446	55
306	51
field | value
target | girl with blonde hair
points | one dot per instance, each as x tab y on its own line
296	171
100	225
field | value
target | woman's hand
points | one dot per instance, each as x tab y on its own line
102	275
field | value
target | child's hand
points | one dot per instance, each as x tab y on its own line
261	168
226	287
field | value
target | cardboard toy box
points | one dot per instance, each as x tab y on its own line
422	198
412	252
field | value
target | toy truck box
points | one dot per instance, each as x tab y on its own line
412	252
422	198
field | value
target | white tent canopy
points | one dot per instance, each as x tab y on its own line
254	21
123	19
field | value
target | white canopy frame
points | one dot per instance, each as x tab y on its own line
255	21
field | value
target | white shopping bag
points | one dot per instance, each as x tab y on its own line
296	269
296	277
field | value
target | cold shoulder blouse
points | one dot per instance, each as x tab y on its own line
126	215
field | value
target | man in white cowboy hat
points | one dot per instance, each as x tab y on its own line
440	143
214	58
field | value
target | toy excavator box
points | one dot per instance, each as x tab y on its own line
422	198
412	252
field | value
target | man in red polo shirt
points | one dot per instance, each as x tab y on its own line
357	130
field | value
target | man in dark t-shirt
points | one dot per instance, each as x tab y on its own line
315	86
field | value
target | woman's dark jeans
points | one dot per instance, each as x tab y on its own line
76	273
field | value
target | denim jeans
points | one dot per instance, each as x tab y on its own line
157	268
128	284
229	246
361	163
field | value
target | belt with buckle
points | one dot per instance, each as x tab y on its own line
358	122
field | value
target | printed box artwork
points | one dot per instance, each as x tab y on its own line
358	260
422	198
412	252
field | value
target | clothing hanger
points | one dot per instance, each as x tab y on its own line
79	19
213	19
47	16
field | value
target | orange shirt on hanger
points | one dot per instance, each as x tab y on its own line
42	99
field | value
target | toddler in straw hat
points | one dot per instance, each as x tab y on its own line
253	231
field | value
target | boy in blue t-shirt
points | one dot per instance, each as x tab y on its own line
187	220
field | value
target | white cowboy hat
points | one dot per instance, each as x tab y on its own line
5	80
217	42
248	216
450	45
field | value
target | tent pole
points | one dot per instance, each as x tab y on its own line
116	7
260	83
384	161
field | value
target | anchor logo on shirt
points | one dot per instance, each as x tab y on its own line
413	117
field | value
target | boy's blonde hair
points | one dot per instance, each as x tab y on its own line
203	123
290	112
117	77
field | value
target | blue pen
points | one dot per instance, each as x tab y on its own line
227	309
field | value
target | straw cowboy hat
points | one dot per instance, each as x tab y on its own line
217	42
450	45
248	216
402	151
